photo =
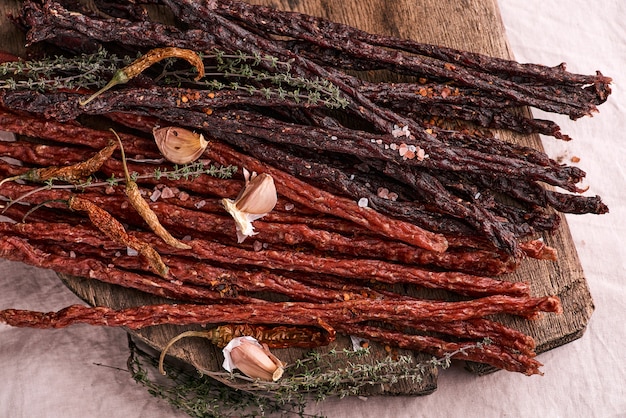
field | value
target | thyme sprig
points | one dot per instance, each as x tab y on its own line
52	73
187	171
312	378
272	80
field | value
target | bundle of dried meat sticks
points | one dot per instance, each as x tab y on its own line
379	184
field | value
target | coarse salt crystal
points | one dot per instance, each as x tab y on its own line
363	202
393	146
155	195
167	193
383	192
183	196
420	154
403	149
131	252
257	245
200	204
289	206
334	138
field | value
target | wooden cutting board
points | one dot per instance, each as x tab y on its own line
473	25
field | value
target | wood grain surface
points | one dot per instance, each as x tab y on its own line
473	25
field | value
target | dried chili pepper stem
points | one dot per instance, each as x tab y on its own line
153	56
272	336
210	334
142	207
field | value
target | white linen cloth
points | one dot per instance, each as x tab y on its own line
54	373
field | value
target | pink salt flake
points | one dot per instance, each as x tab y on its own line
167	193
155	195
420	154
183	196
403	149
383	192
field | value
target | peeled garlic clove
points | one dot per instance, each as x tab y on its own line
258	195
252	359
179	145
256	200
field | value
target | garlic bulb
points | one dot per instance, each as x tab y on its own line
252	359
256	200
179	145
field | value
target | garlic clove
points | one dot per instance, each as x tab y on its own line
252	359
179	145
258	195
256	200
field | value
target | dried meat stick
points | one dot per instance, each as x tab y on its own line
310	196
332	35
72	133
286	313
282	236
299	26
229	283
63	107
144	316
371	146
479	329
362	269
51	21
325	202
490	354
483	262
19	249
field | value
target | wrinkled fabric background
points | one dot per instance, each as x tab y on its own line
55	373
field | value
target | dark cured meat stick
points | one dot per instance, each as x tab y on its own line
300	26
352	41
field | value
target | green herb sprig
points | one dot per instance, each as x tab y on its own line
314	378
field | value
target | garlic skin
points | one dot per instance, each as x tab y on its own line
256	200
251	358
178	145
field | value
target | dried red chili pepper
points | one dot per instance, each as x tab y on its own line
113	229
74	173
151	57
144	210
